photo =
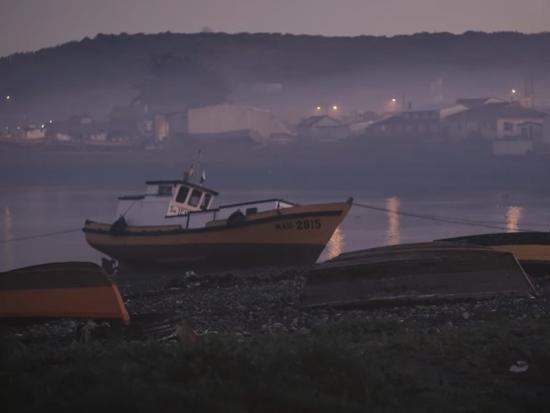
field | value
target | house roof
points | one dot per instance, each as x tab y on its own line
498	110
405	116
313	120
475	102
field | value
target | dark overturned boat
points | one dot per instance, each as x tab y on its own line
78	290
532	249
176	223
415	273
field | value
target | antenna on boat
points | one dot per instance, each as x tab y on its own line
191	171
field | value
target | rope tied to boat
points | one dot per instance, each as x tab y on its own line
444	219
434	218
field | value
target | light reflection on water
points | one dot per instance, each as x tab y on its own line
393	235
513	216
7	234
335	246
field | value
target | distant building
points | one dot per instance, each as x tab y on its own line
34	133
229	121
472	103
495	121
417	123
463	105
323	128
77	128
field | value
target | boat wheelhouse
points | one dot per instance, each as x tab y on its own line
189	205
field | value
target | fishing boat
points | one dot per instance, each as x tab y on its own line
532	249
177	222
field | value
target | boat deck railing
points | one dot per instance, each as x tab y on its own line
195	219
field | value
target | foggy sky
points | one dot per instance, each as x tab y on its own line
32	24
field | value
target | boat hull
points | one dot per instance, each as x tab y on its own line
415	273
532	249
289	236
60	290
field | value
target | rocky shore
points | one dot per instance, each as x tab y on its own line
257	349
267	301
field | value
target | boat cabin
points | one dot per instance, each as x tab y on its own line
165	199
186	204
184	196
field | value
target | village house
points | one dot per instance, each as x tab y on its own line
511	128
34	133
76	129
495	121
463	105
229	122
424	124
323	128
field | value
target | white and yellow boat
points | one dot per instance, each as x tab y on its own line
176	222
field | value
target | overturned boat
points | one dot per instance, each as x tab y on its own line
176	222
532	249
79	290
413	273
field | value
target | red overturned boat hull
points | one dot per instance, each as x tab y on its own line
60	290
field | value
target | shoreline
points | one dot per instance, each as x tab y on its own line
254	340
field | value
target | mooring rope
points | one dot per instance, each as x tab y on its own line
43	235
435	218
443	219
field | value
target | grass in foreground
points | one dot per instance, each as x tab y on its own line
345	367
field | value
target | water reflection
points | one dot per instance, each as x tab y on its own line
336	244
7	234
393	236
513	215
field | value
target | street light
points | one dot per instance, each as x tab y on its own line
334	107
393	100
318	108
8	97
514	91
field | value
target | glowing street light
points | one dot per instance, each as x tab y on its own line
318	108
334	107
50	121
8	97
393	100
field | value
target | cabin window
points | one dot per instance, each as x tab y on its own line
164	190
206	201
182	194
195	198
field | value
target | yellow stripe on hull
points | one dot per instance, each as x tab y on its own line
527	252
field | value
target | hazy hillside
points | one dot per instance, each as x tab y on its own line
93	75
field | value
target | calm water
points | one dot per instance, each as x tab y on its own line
27	211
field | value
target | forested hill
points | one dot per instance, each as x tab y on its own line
95	74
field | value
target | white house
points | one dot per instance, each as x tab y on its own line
34	133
